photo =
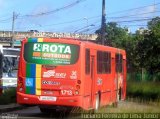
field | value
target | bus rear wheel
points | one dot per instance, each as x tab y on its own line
45	110
120	94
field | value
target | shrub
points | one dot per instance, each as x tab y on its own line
8	96
143	90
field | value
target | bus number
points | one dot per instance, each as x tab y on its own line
66	92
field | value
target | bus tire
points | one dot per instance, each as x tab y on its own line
45	110
120	94
115	104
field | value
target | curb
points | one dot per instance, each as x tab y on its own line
10	107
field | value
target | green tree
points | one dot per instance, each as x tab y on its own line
115	35
148	48
142	48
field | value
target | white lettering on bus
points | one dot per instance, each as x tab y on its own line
52	48
73	75
45	48
37	47
51	73
50	82
66	92
61	47
67	50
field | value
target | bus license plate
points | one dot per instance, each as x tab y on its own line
48	98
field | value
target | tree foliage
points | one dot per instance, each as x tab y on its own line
148	48
142	47
115	35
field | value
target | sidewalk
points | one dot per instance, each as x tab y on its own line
10	107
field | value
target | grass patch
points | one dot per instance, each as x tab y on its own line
146	91
8	96
131	107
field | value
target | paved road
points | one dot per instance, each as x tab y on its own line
123	107
35	113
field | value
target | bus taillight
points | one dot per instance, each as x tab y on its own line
20	84
77	87
76	92
79	81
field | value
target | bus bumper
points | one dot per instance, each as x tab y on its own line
75	101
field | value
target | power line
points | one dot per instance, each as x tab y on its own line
44	13
133	25
76	2
77	20
6	15
83	28
123	21
136	14
4	20
135	20
90	29
8	19
130	21
56	10
68	22
133	9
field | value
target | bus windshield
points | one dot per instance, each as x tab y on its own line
10	66
49	53
10	62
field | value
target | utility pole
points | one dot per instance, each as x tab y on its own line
103	24
12	37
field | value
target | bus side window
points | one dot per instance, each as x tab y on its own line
87	61
107	62
103	62
119	65
1	64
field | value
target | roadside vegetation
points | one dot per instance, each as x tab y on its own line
143	65
131	107
8	96
142	48
143	91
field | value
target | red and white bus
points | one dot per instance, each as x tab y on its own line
70	73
